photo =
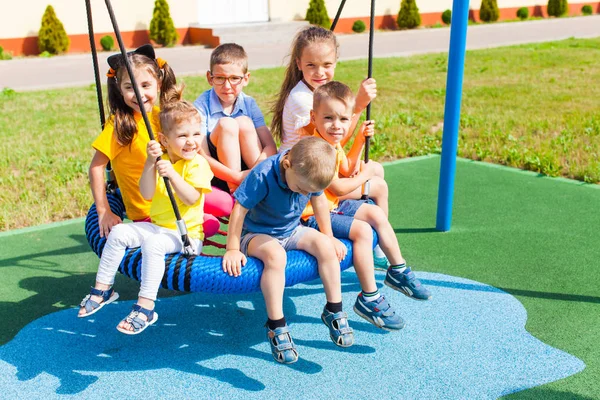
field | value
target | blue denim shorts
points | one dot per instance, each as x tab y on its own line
341	218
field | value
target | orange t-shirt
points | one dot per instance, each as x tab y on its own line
128	161
333	200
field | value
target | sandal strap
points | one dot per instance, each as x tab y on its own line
105	294
89	304
139	309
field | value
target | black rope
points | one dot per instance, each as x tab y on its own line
184	236
337	16
111	185
365	194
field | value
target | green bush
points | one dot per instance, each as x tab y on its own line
587	10
317	14
107	43
162	29
447	17
489	11
558	8
408	16
5	55
523	13
52	36
359	26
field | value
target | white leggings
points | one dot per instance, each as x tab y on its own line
155	241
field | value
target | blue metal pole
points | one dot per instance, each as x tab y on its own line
454	82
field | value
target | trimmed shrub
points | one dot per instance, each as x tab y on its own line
408	16
359	26
489	11
587	10
317	14
52	36
447	17
162	29
107	43
5	55
557	8
523	13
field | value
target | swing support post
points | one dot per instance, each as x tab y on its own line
454	84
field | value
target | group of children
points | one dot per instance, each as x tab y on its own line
305	197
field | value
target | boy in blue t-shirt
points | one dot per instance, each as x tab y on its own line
265	222
237	137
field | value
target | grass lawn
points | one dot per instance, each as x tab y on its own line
531	106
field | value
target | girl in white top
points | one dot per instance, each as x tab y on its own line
312	64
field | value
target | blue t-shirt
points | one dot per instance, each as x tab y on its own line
273	209
211	110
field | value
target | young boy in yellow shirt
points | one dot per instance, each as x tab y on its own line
353	219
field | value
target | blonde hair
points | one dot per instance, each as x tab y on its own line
229	53
315	160
293	75
333	90
176	110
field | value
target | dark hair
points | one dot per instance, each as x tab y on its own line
229	53
293	75
124	121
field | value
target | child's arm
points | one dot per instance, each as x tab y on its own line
234	259
342	186
320	207
367	91
188	194
267	143
367	129
106	218
147	181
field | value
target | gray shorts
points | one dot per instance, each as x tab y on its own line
288	243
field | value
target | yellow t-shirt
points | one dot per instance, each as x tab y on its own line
333	200
197	173
128	161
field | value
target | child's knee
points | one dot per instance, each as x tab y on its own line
275	259
361	230
379	171
378	186
227	126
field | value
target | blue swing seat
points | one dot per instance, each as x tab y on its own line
203	273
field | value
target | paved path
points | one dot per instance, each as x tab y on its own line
76	70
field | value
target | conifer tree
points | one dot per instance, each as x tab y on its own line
489	11
408	16
317	14
558	8
162	28
52	36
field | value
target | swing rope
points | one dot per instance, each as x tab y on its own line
365	191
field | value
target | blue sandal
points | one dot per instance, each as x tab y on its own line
339	330
91	306
282	346
136	322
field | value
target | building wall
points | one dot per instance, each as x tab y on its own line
18	31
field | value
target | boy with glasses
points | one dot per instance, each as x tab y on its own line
237	137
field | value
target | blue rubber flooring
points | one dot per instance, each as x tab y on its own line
469	341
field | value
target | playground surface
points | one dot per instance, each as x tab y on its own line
514	309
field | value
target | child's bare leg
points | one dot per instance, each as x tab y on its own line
321	247
250	146
375	217
272	281
225	137
361	235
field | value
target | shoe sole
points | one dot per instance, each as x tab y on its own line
333	339
386	283
284	362
141	330
385	328
112	298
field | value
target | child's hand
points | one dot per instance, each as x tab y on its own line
106	221
165	168
367	91
340	249
153	150
233	261
367	129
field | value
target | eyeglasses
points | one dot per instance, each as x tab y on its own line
233	80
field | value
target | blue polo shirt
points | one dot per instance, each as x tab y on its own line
211	110
273	209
